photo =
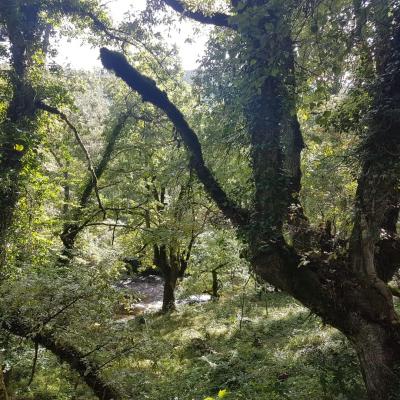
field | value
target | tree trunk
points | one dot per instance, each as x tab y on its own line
215	286
20	116
3	389
345	291
170	279
378	350
353	305
167	265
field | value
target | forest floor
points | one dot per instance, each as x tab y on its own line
250	345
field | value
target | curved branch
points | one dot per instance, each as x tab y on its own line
149	91
76	359
56	111
217	19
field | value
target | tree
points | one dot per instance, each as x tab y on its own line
28	27
346	288
180	223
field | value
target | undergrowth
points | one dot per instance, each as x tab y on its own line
250	344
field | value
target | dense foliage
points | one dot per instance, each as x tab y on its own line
228	233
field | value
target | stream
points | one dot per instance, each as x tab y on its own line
149	290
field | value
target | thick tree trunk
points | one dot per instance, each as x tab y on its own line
345	291
354	306
20	116
378	350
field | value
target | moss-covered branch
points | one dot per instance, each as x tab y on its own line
149	91
217	19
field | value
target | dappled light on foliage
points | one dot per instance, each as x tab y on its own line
225	233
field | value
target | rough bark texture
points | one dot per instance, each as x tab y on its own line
355	304
379	353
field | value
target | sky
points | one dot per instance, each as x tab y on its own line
79	55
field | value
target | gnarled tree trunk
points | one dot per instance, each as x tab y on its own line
348	291
378	350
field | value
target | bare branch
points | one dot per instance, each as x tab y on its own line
93	184
114	225
60	311
127	350
147	88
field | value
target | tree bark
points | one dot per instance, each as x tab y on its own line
346	291
166	264
3	388
170	280
378	350
19	118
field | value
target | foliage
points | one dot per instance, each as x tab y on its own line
315	63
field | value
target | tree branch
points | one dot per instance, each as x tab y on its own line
147	88
91	184
35	357
56	111
60	311
102	25
88	370
217	19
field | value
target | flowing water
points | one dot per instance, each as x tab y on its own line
147	295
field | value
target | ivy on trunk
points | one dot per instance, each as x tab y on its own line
348	291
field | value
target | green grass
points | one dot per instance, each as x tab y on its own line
275	350
279	353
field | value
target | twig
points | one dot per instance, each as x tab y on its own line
51	317
242	304
98	347
126	350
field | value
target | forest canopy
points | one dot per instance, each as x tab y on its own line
228	232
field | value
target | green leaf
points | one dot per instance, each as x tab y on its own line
18	147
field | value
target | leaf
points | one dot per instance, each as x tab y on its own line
18	147
223	393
